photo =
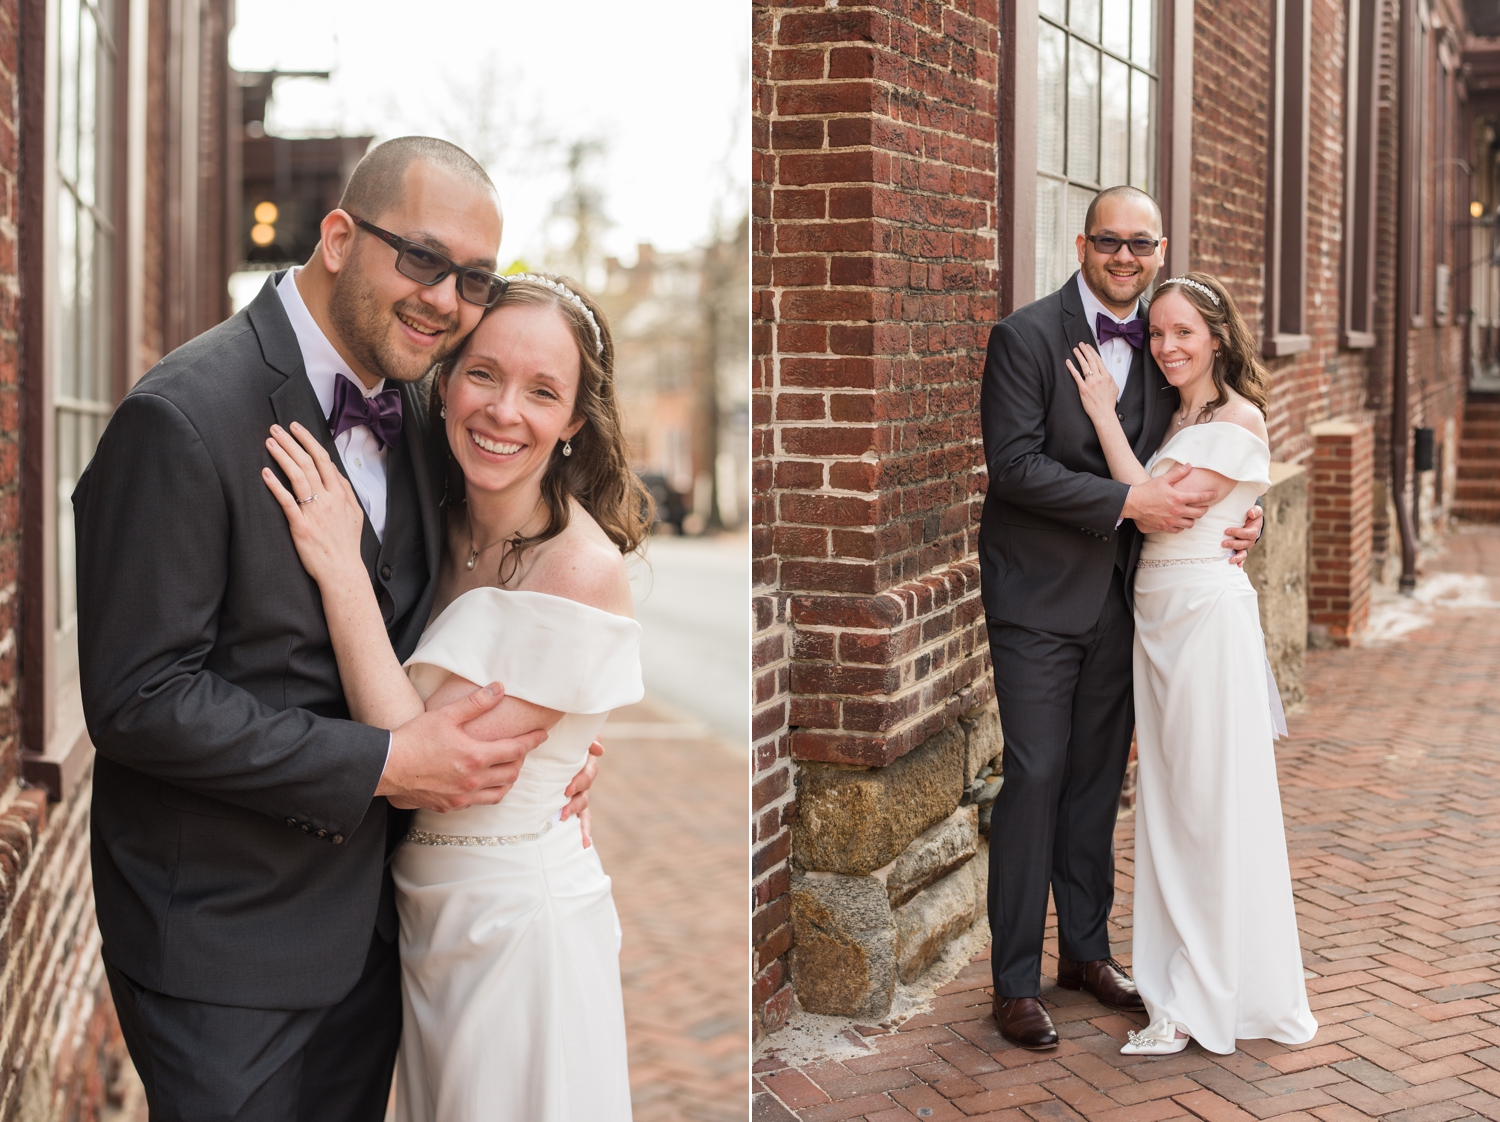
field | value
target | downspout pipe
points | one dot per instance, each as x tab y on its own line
1407	98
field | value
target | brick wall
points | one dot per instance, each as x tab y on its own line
875	276
59	1044
1231	75
1327	382
1338	535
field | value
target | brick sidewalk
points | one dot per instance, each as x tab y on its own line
669	819
1391	791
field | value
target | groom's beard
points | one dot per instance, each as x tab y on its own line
364	325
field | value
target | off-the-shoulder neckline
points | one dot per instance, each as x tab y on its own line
578	604
1204	425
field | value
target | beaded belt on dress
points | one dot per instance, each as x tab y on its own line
1160	563
422	837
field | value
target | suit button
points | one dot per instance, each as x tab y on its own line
322	833
337	839
385	572
291	821
306	829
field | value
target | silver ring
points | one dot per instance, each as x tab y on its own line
309	499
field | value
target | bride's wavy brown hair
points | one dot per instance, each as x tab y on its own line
598	473
1237	364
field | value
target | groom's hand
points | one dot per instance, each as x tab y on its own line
1241	538
578	790
434	764
1159	505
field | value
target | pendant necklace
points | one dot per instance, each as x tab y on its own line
475	551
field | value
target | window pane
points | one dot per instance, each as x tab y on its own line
1117	26
1083	112
1051	102
1142	96
104	116
1054	9
88	115
67	90
1083	17
1049	236
67	287
67	479
1078	208
1114	125
88	310
1143	37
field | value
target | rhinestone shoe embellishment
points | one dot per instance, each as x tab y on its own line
422	837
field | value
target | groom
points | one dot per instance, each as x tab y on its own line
1058	545
241	822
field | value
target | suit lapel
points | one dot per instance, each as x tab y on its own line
416	437
294	400
1076	327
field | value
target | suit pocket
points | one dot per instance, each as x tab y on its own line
1016	516
179	798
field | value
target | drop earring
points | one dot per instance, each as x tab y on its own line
567	447
443	410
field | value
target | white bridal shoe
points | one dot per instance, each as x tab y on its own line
1159	1039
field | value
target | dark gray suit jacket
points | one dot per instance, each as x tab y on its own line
238	849
1047	538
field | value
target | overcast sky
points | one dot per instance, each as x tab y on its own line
664	85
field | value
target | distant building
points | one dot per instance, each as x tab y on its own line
681	324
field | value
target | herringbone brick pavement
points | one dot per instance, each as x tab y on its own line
1391	790
669	813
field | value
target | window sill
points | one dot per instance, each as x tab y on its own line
68	754
1276	346
1357	340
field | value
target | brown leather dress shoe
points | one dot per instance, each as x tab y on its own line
1024	1021
1105	979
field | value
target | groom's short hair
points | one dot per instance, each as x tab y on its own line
1120	192
380	177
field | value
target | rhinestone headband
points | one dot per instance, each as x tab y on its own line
1199	285
571	297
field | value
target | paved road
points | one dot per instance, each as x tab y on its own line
1390	786
692	597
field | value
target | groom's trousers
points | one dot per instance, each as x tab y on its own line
1066	712
201	1062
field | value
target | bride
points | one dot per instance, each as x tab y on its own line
509	939
1215	949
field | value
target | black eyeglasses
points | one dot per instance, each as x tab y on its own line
428	266
1109	245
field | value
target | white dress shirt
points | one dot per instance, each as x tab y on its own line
1117	353
364	458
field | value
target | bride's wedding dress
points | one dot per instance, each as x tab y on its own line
1215	946
509	940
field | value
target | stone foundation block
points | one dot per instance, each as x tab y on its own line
1277	567
933	918
843	956
855	820
932	856
984	742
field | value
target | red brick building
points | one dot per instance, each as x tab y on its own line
921	167
116	167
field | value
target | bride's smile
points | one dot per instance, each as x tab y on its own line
511	399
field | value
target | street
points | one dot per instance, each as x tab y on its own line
691	600
1390	784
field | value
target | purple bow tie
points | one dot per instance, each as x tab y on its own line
1133	332
381	414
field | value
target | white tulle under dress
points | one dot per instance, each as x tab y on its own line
1215	947
509	939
